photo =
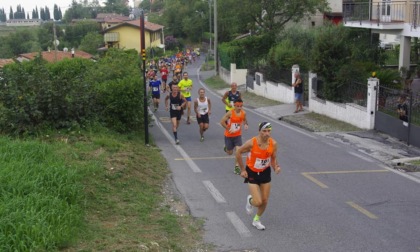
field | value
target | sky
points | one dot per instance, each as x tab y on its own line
29	5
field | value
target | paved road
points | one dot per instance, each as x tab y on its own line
329	196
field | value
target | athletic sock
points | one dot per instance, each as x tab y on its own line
256	217
175	135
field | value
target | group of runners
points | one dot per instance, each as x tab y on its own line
261	149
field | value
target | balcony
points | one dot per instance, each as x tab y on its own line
384	15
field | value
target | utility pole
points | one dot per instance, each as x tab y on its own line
143	55
55	43
216	55
210	23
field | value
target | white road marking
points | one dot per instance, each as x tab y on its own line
361	157
405	175
238	224
214	192
181	151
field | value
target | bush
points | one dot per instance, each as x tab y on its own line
121	103
72	93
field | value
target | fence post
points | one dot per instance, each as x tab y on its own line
311	87
373	86
295	68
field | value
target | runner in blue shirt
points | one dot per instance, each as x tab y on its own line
155	85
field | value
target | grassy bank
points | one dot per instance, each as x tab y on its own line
88	191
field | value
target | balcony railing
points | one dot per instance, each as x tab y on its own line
381	12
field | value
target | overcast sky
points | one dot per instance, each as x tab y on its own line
29	5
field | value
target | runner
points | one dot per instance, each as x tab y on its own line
174	82
261	151
232	122
186	85
202	108
164	75
155	86
174	102
231	96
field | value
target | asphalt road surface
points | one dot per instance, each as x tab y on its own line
328	197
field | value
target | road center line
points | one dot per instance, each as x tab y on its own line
238	224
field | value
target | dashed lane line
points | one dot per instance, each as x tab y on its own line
238	224
181	151
214	192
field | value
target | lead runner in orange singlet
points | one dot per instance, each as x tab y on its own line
261	158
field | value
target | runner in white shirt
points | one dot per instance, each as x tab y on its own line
202	108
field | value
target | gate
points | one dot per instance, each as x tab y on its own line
387	118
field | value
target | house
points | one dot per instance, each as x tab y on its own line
108	20
4	62
127	35
23	22
386	17
54	56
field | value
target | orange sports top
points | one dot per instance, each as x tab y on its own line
258	159
235	123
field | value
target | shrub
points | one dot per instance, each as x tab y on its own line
72	93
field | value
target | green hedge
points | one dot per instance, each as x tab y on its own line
72	93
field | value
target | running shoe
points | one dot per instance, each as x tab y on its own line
202	139
258	225
177	141
248	206
224	148
237	170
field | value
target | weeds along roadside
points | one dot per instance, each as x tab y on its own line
91	191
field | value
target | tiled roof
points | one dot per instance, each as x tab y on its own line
52	56
111	18
5	62
147	25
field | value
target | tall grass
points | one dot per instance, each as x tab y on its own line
39	198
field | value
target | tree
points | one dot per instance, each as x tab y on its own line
21	41
271	15
11	13
56	13
116	6
81	11
47	14
91	42
2	15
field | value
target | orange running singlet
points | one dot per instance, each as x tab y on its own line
258	159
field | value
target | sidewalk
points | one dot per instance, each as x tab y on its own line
379	146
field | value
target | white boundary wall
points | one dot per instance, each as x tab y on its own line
234	75
359	116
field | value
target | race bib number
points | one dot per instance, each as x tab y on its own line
155	89
262	163
204	110
234	127
174	106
